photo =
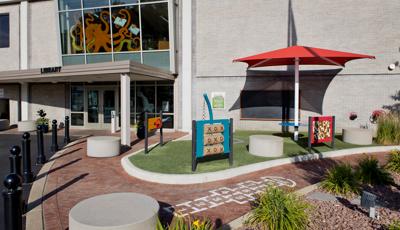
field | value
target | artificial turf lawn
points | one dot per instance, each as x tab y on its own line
175	156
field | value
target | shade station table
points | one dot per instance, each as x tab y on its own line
115	211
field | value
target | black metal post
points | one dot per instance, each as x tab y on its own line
54	144
231	141
26	158
146	134
161	130
67	139
194	158
13	203
40	158
15	160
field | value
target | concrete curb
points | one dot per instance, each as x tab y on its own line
233	172
238	222
35	218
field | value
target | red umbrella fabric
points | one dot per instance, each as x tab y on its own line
306	56
300	55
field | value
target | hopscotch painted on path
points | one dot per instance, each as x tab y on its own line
240	193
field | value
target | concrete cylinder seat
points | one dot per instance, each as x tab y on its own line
266	145
26	126
357	136
115	211
103	146
4	124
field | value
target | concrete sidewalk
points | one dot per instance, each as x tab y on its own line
74	177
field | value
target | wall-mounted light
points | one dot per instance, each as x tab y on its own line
392	66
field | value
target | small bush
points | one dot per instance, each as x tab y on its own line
388	132
393	163
341	180
369	172
277	209
180	223
395	225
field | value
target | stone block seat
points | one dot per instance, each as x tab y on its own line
26	126
357	136
4	124
103	146
266	145
115	211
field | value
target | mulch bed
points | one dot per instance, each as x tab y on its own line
344	215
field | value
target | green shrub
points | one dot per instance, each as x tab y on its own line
395	225
340	180
388	132
180	223
393	163
369	172
277	209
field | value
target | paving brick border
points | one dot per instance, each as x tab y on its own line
184	179
34	216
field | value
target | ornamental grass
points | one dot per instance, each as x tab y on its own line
341	180
277	209
393	163
388	132
369	172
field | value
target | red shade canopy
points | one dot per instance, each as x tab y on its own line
306	56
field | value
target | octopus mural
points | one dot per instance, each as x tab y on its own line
125	32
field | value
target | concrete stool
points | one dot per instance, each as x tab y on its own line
266	145
357	136
115	211
4	124
26	126
103	146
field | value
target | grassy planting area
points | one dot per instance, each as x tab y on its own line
175	156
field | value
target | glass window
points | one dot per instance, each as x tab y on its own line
168	121
73	60
126	29
97	30
77	119
127	56
69	4
71	32
165	99
95	3
123	2
96	58
4	30
145	99
77	98
151	0
157	59
155	33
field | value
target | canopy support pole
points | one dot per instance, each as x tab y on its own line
296	99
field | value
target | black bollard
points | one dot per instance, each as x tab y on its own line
27	174
15	160
54	144
13	203
66	131
40	158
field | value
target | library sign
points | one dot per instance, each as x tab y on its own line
47	70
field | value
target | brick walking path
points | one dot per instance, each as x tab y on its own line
75	177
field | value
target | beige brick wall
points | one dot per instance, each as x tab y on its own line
49	97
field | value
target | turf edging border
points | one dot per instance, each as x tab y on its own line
182	179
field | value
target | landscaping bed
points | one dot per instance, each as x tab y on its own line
343	214
175	157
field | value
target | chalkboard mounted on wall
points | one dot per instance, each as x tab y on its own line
267	104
